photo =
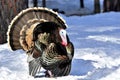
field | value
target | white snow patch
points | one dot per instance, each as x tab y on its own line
105	38
102	29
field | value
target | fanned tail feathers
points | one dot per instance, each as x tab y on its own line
20	32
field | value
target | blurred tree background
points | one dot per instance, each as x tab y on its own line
10	8
111	5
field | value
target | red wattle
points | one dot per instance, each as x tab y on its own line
64	43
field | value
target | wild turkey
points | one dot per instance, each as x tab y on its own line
41	33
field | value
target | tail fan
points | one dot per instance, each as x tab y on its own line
20	32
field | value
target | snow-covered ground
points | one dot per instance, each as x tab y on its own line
96	40
97	51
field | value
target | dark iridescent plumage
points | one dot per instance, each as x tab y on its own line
55	57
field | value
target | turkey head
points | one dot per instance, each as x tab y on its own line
49	32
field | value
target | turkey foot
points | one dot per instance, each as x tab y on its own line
48	73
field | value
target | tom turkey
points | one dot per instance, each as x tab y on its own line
41	33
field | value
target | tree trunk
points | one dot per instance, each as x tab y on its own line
96	6
8	10
35	3
116	5
111	5
44	3
106	5
81	4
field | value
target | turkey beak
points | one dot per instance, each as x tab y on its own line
63	36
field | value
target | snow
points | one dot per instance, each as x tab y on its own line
96	39
97	49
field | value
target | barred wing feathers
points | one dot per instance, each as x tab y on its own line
59	65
